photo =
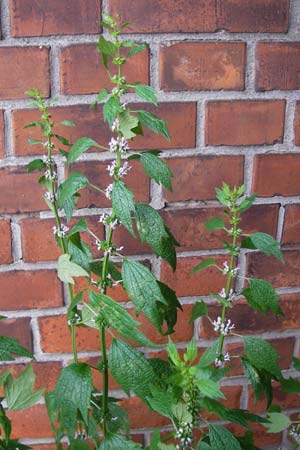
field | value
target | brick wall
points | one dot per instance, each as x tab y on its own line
227	72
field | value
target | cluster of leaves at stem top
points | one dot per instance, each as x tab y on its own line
77	410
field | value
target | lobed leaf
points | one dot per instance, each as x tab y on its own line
19	393
67	269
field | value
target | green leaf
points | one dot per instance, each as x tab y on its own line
154	123
128	123
106	47
215	223
19	393
62	139
222	197
262	355
68	123
68	188
123	204
191	351
117	317
131	369
262	296
114	442
162	401
296	363
73	393
101	96
79	444
9	347
168	310
152	230
277	422
111	108
290	385
79	252
34	141
3	376
66	269
203	446
204	264
221	439
146	93
80	226
265	243
209	388
81	145
208	356
32	124
181	413
135	50
173	353
199	310
253	376
5	424
156	169
36	164
247	203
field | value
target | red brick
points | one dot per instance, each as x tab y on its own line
286	401
20	191
24	423
261	437
180	117
117	292
297	124
96	172
188	225
276	175
140	416
132	245
196	178
164	16
273	271
244	122
56	17
27	289
32	62
291	227
2	143
82	70
186	283
203	66
5	242
278	65
18	329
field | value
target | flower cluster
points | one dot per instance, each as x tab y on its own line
230	297
119	172
119	143
219	361
295	433
223	327
227	270
184	433
50	175
60	232
50	197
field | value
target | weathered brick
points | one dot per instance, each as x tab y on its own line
32	63
291	227
180	117
244	122
276	175
196	178
188	225
56	17
203	66
164	16
187	283
24	423
26	289
278	65
19	191
82	70
18	329
5	242
2	142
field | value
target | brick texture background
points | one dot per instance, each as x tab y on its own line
227	72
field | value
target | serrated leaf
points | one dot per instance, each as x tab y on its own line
208	356
161	401
199	310
114	442
148	220
262	296
290	385
222	439
123	204
265	243
222	197
111	108
209	388
73	393
80	226
168	311
277	422
191	351
135	50
127	124
9	347
81	145
106	47
19	393
262	355
181	413
68	188
37	164
156	169
154	123
204	264
253	376
66	269
79	251
117	317
203	446
68	123
246	203
131	369
79	444
62	139
146	93
215	223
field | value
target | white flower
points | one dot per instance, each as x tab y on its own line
103	218
226	357
112	168
230	295
48	160
113	145
50	197
108	191
116	125
222	293
50	176
60	232
295	434
124	169
226	268
222	327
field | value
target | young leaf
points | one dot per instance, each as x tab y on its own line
265	243
156	169
62	139
262	355
199	310
222	197
32	124
123	204
19	393
208	356
221	438
277	422
215	223
114	442
131	369
127	124
81	145
79	444
34	141
247	203
9	347
106	47
110	109
68	123
66	269
135	50
73	393
68	188
154	123
262	296
204	264
146	93
37	164
209	388
191	351
80	226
